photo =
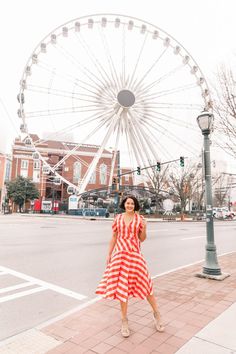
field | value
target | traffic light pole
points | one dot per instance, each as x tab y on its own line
145	168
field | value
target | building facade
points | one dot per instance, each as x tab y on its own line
5	174
73	169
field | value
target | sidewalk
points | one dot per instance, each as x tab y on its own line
199	315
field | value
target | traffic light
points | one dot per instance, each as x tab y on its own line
181	161
114	181
158	167
138	171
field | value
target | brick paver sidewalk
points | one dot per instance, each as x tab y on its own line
187	304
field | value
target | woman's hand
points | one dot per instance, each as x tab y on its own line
142	234
144	223
108	259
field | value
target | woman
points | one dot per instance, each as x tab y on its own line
126	274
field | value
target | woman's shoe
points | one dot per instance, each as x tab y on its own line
125	328
157	321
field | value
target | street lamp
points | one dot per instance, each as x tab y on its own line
211	267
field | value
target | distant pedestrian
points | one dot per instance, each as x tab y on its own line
126	274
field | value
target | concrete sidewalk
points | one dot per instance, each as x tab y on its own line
199	315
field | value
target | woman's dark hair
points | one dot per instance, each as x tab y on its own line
136	203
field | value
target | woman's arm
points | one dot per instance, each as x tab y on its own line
143	232
111	246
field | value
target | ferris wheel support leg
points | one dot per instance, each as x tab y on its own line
99	153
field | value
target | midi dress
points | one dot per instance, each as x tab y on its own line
127	274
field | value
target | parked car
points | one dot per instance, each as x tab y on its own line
223	213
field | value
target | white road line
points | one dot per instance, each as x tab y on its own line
2	273
21	294
15	287
191	238
44	284
158	230
188	265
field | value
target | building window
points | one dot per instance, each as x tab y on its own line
103	174
93	178
8	171
126	178
36	176
24	164
36	165
24	168
76	172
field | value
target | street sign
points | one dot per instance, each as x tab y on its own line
73	202
46	205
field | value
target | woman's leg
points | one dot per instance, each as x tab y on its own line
124	307
125	327
152	301
156	314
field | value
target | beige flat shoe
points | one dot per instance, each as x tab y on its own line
157	321
125	328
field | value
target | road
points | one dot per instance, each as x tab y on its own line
49	265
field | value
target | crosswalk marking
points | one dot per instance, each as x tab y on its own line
43	284
21	294
15	287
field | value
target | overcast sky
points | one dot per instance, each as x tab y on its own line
206	28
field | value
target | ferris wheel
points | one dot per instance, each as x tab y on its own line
116	82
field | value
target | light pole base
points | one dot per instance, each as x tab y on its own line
221	276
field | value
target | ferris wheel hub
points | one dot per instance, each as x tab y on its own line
126	98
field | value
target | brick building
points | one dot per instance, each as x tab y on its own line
5	170
73	169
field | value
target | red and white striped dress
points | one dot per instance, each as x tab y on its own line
126	275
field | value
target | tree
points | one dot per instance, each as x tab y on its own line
21	190
184	184
159	182
221	190
225	109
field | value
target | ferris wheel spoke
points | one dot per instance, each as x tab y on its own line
64	93
76	148
84	85
170	119
138	59
54	92
139	153
63	111
93	165
171	136
152	137
143	137
160	106
148	87
156	143
123	75
130	151
97	64
134	147
115	154
150	69
98	83
93	118
167	92
109	59
139	143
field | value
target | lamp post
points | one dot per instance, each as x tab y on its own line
211	267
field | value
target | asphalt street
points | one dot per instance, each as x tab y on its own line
49	265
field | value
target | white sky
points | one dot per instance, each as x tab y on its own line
206	28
